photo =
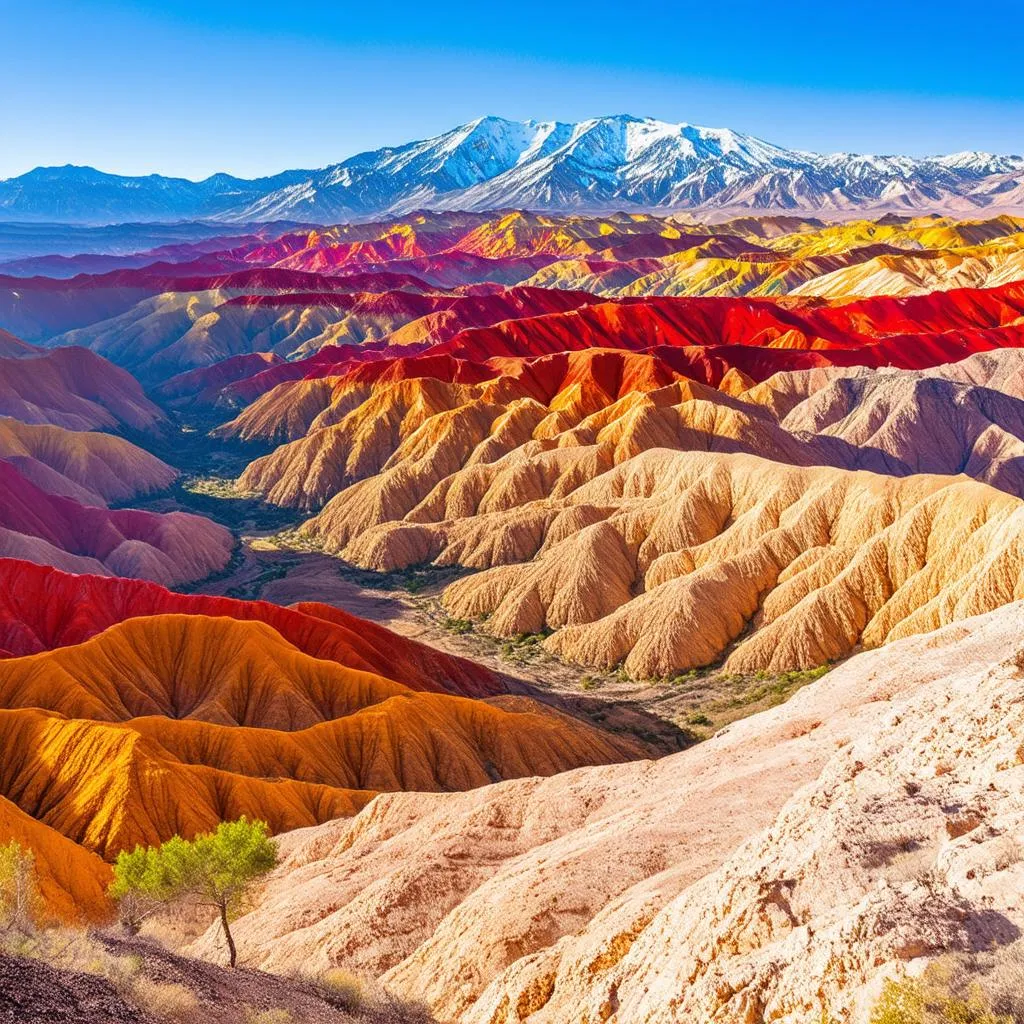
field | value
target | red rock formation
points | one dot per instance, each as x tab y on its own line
41	609
147	714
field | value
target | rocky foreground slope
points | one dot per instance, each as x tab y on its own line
776	872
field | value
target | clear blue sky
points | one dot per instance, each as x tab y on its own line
194	86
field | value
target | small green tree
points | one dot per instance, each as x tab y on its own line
19	888
216	869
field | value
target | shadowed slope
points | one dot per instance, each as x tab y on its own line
173	547
90	467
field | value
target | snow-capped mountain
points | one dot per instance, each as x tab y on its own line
606	163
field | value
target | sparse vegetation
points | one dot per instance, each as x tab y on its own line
342	989
251	589
173	989
215	870
524	646
167	1001
74	950
458	626
988	989
20	902
717	698
268	1017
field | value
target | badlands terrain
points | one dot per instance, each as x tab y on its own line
613	618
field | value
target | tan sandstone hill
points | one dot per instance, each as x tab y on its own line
673	560
776	872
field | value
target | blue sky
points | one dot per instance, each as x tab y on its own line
188	87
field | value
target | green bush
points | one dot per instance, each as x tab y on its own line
947	993
215	870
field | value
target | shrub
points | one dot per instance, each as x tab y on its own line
20	903
165	1000
216	869
268	1017
342	989
122	971
949	992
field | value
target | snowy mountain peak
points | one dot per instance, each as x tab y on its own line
601	164
982	163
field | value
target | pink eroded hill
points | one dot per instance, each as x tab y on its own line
72	388
171	548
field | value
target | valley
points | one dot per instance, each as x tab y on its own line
609	616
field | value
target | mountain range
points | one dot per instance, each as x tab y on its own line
598	165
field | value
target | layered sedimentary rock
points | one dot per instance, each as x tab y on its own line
427	462
778	871
177	331
418	279
91	467
75	389
169	548
146	714
42	609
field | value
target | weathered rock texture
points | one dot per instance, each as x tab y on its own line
169	548
91	467
776	872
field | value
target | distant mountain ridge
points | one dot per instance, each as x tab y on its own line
603	164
